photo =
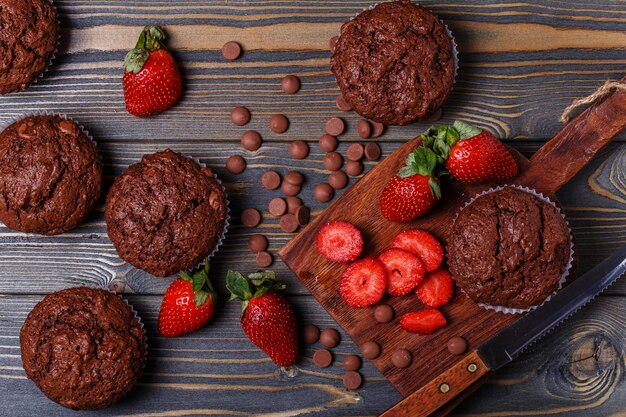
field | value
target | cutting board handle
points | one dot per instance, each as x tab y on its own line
441	389
577	143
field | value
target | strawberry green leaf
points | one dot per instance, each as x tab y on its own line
200	298
465	130
152	38
406	172
238	286
199	278
433	184
423	162
184	275
261	277
135	60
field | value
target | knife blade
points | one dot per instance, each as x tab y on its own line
509	343
468	372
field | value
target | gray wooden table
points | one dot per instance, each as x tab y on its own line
521	64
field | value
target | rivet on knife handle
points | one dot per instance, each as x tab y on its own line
441	389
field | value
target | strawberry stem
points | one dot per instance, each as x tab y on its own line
152	38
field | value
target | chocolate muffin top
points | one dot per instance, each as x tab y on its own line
166	213
509	248
394	63
28	38
50	175
83	347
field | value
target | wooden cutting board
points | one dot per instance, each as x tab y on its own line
551	167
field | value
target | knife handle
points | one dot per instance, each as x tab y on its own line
442	389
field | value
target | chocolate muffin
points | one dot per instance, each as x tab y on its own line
50	175
509	248
166	213
28	38
394	63
83	347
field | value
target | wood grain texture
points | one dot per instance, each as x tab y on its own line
521	64
571	149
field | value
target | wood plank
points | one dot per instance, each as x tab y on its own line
575	370
595	201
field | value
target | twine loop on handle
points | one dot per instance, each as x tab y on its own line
600	93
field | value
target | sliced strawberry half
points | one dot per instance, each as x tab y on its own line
363	283
404	270
423	322
422	244
436	289
339	241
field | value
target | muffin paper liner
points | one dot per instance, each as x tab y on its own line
220	240
52	57
455	52
510	310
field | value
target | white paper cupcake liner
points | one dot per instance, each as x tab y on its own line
52	57
568	266
220	240
455	52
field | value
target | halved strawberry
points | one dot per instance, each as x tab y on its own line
339	241
436	289
423	322
363	283
422	244
404	270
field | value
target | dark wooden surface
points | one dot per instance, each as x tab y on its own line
521	64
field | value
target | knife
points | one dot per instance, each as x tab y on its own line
509	343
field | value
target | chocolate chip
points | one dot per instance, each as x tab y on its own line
435	116
292	204
352	362
332	42
335	126
354	168
322	358
251	140
66	126
377	129
401	358
240	116
457	345
303	215
290	190
264	259
342	104
383	313
250	217
328	143
231	50
355	152
299	149
352	380
323	192
332	161
338	179
372	151
370	350
270	180
290	84
235	164
294	177
311	334
279	123
364	129
277	206
258	243
330	338
288	223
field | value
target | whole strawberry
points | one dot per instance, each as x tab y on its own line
266	317
473	155
414	191
152	81
188	304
